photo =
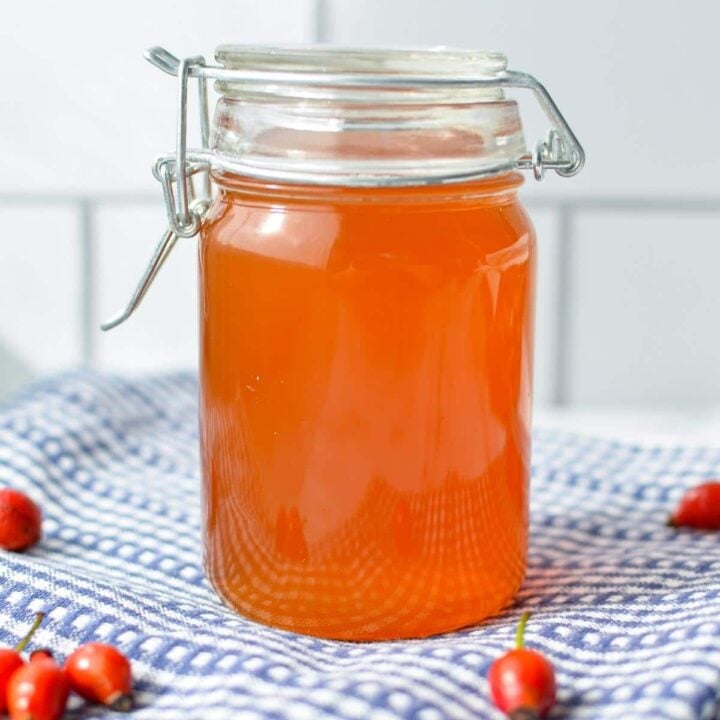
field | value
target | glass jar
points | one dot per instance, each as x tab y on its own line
367	283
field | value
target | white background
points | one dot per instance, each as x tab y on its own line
628	305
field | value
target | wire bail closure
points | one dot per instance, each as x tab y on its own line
185	175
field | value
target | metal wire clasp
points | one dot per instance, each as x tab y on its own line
185	174
185	204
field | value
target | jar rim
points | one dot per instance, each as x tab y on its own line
402	64
403	76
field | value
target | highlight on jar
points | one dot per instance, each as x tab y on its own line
367	290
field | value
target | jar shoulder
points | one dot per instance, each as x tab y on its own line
330	231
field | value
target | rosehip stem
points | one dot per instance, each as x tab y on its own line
520	634
39	617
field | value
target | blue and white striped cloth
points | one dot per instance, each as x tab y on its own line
627	609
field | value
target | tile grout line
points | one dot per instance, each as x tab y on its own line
321	30
563	310
87	282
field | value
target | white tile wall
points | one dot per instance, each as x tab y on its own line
546	327
645	306
90	114
163	334
636	81
84	113
40	292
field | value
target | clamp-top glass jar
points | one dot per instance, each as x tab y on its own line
366	288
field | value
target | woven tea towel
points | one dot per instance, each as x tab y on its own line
627	609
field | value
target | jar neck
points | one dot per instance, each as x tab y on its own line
382	117
367	143
497	190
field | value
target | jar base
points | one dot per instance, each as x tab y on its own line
417	625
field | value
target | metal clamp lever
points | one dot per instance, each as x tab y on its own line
184	213
160	254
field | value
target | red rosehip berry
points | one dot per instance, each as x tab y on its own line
38	690
699	508
20	520
10	660
522	681
102	674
